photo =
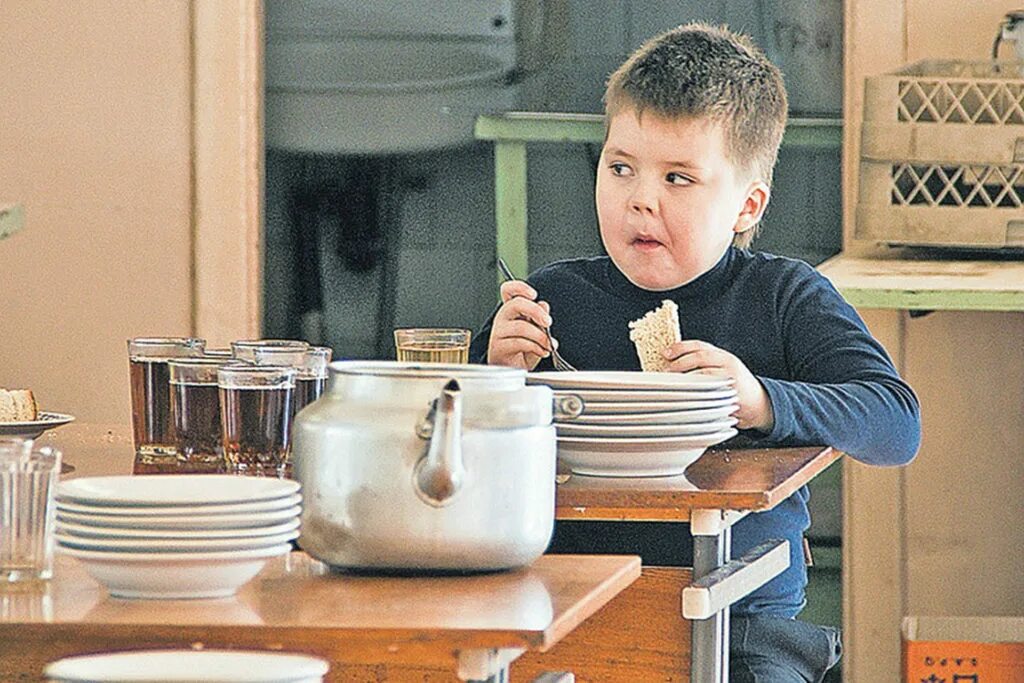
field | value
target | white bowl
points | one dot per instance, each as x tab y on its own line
188	666
635	457
173	489
236	521
171	545
174	575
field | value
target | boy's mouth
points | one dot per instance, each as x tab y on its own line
646	243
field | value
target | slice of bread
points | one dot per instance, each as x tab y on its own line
655	332
18	405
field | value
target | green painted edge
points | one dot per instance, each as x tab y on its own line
555	127
945	300
510	206
12	219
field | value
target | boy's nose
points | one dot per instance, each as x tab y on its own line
643	201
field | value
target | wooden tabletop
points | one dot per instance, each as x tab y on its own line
740	479
722	479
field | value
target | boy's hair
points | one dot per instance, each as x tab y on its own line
703	71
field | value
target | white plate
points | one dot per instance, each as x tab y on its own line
641	457
622	408
643	395
189	666
180	510
173	489
171	545
674	417
240	521
33	428
631	431
66	527
174	575
694	381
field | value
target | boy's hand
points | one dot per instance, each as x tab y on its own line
517	333
755	411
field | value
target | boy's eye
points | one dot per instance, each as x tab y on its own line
678	179
618	168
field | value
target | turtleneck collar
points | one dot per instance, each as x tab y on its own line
707	284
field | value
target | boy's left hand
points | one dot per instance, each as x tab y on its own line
755	411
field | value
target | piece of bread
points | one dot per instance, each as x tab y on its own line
655	332
18	405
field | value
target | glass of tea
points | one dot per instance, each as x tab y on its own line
149	372
256	416
432	345
245	349
310	365
195	410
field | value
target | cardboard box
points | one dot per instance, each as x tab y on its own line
963	650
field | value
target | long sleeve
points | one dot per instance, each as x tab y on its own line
842	388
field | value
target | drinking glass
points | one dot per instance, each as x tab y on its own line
195	408
152	427
244	349
28	477
256	415
310	365
432	345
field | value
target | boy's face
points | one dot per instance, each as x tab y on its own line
669	200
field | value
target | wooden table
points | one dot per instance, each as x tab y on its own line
714	493
472	625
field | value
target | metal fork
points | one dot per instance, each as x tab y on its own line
556	358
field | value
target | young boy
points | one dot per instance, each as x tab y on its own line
694	120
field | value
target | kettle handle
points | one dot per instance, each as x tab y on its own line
440	472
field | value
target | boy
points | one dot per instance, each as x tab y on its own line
694	120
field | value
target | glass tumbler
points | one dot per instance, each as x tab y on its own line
256	416
28	478
432	345
152	426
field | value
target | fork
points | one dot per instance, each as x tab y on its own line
560	363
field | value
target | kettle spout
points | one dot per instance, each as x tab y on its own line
440	472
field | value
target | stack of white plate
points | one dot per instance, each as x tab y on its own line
188	666
176	536
641	424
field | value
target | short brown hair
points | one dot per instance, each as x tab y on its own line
703	71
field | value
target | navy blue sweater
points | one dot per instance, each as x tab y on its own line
829	381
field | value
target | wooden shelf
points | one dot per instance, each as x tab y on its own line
12	218
909	282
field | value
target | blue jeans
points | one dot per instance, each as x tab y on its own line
764	649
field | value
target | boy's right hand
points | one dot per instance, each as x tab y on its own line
518	339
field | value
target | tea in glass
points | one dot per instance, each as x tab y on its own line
149	374
195	407
312	376
256	415
432	345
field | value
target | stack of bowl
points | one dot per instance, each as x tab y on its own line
176	536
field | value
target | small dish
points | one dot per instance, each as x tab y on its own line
238	521
33	428
172	545
173	576
90	531
173	489
188	666
178	510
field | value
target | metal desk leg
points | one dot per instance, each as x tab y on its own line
486	666
510	205
709	640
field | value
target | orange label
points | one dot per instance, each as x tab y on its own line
926	661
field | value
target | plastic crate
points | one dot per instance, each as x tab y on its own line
942	156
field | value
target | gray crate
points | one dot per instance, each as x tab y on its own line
942	156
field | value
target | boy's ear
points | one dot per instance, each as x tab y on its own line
753	207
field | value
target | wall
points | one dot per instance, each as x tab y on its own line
938	537
95	126
131	133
